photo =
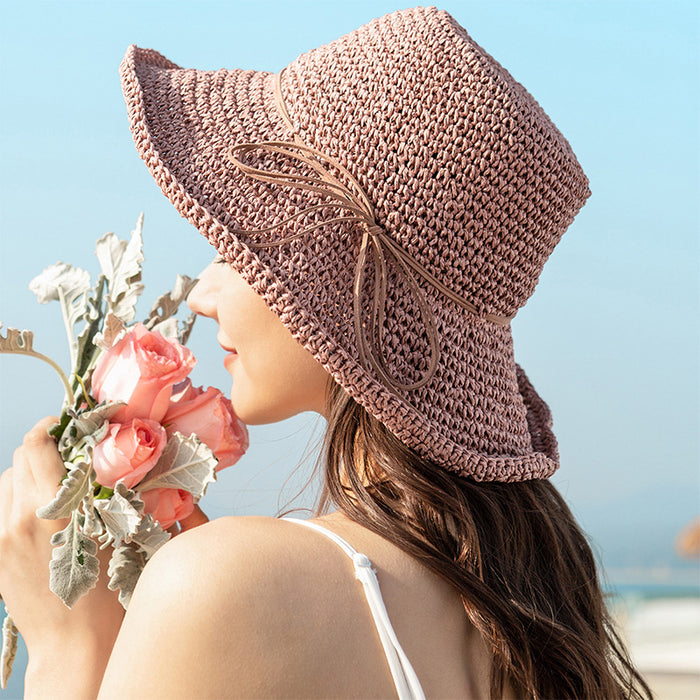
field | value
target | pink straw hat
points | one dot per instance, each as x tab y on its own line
392	196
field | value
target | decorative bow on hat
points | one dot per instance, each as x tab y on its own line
352	198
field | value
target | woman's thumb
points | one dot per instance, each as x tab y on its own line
195	518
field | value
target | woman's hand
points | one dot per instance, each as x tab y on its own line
42	618
56	636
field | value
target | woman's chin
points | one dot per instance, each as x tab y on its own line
255	413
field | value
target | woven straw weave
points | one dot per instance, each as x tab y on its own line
463	169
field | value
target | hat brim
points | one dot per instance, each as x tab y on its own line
183	121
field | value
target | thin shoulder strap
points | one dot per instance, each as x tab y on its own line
405	679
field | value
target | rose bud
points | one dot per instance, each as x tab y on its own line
168	505
129	451
210	416
141	370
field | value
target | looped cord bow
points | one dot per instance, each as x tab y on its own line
351	198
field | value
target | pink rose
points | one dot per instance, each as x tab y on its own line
168	505
210	415
141	370
129	451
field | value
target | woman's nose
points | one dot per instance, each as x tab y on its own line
202	299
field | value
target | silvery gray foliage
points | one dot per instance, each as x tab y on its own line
9	649
93	526
149	536
186	328
132	549
87	428
186	463
88	351
68	285
124	569
161	317
121	514
17	341
112	331
74	568
79	438
73	489
121	265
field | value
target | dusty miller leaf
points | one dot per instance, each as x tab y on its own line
17	342
73	489
111	332
171	328
61	276
68	285
92	526
186	463
9	649
121	514
121	264
124	570
167	328
150	536
87	350
74	568
91	424
167	305
187	329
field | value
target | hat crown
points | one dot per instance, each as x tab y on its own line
463	167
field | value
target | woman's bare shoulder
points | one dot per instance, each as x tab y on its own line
247	565
215	612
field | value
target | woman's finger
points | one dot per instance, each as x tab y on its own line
24	487
197	517
5	498
43	458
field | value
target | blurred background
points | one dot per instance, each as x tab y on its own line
610	338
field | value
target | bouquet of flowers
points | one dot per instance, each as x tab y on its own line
139	442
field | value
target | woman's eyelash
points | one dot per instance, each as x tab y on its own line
219	261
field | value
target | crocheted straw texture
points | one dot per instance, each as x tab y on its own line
464	171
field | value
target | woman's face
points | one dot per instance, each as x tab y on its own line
274	377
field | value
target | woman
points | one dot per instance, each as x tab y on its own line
381	209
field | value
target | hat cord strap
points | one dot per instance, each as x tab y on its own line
356	201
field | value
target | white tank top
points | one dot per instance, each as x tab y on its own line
405	679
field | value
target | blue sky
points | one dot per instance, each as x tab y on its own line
610	337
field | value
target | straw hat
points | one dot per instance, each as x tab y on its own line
393	196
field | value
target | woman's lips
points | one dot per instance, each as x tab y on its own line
232	355
227	348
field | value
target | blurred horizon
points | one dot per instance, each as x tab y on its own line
608	338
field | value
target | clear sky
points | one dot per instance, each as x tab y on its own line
610	337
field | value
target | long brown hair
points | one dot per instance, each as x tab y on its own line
523	567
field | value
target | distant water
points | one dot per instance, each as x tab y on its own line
648	591
653	582
659	619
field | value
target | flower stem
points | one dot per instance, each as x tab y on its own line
66	385
88	400
65	312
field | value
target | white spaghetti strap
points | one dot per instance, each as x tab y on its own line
405	679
